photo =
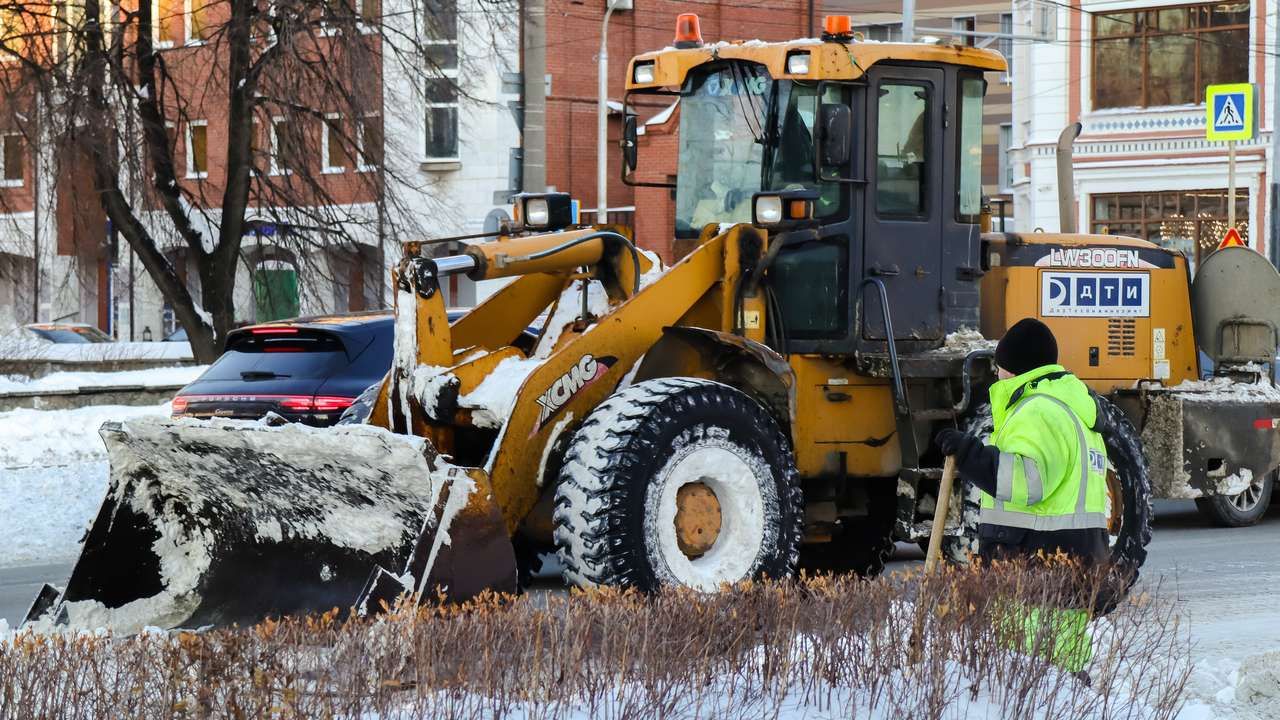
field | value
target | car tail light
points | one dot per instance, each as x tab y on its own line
295	402
330	404
179	405
274	331
320	403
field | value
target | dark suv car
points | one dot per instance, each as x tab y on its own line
306	369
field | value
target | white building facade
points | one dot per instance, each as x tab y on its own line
1133	73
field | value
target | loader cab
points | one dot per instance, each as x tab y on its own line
898	193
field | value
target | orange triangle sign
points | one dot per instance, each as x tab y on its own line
1231	239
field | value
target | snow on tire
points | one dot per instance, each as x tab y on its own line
678	481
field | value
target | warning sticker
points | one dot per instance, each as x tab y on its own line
1081	294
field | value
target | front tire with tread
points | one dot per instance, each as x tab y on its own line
615	498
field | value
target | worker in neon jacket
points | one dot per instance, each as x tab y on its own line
1043	475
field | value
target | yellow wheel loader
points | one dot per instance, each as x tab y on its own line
763	405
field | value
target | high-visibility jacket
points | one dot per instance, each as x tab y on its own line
1052	469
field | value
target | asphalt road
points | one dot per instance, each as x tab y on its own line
1225	581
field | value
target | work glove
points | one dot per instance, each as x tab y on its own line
954	442
977	462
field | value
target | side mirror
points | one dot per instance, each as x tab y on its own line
629	146
836	123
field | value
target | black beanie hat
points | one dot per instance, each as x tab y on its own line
1027	345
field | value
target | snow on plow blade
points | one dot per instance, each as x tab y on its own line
228	522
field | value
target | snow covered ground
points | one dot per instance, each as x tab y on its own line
156	377
53	475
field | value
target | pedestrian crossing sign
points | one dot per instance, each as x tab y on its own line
1229	112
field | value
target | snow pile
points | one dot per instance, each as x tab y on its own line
59	437
154	377
492	401
966	340
22	349
1227	688
1222	389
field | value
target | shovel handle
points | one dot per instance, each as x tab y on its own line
940	514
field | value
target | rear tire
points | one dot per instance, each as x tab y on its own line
619	501
1124	452
1241	510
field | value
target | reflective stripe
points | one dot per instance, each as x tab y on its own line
1074	521
1084	452
1004	476
1080	519
1035	484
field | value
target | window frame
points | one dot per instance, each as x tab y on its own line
961	123
967	24
1144	33
1006	27
5	180
931	92
1004	147
362	166
277	169
1144	221
449	39
192	172
326	165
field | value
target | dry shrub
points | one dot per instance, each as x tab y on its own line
908	645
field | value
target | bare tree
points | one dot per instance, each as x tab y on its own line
197	123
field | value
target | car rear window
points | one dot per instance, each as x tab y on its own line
301	354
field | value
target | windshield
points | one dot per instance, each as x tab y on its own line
742	132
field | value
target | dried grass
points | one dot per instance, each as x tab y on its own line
907	645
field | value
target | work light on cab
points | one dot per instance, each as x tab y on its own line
643	73
798	62
544	211
688	31
782	209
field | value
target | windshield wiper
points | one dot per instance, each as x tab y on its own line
260	375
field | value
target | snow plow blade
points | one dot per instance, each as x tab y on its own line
215	523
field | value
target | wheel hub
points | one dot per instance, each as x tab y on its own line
697	520
1115	503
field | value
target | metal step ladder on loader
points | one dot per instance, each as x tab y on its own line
744	412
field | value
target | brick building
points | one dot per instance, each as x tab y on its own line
572	42
424	153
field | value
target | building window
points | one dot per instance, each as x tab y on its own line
1169	54
285	146
199	23
440	91
1006	44
15	159
334	145
169	22
1191	221
888	32
198	149
369	140
965	25
1006	159
13	35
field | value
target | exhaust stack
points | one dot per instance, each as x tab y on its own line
1066	181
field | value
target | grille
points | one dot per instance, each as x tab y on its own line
1122	337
